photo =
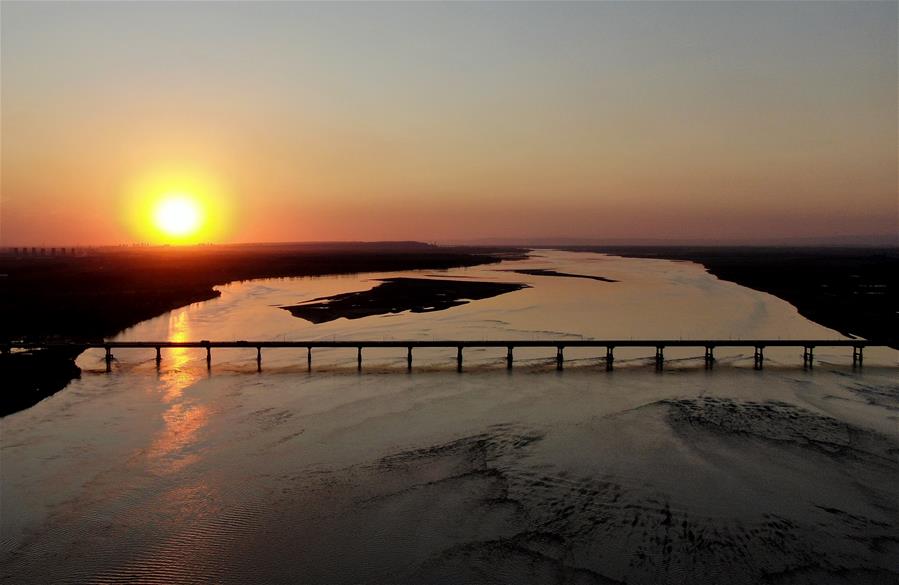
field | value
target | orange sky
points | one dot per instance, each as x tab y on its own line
306	121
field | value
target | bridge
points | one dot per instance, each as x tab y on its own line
609	345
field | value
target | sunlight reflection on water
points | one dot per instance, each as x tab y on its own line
171	450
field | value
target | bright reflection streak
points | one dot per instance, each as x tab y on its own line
170	451
177	375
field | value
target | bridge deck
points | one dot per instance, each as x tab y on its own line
709	345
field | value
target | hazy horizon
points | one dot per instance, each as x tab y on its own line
723	122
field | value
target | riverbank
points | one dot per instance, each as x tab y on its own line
852	290
31	376
107	290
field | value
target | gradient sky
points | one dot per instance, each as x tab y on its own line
431	121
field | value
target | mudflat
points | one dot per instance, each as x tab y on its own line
547	272
395	295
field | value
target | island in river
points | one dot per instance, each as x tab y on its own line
547	272
395	295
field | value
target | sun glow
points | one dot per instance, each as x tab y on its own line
178	215
180	208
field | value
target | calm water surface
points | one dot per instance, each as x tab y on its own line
227	475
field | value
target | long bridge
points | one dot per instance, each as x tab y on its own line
609	345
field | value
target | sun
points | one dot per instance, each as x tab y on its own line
178	207
178	216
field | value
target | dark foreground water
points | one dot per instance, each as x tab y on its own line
687	476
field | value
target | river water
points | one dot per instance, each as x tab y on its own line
228	475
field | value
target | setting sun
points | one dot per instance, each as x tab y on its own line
182	207
178	215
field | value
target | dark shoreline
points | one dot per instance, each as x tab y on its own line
105	291
31	376
852	290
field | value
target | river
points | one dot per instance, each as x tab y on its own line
185	474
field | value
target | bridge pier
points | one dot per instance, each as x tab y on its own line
208	356
709	356
108	359
758	357
610	357
309	358
158	356
258	358
409	359
359	358
459	358
660	357
509	358
808	356
858	357
560	358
